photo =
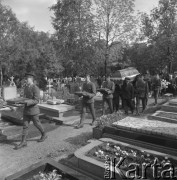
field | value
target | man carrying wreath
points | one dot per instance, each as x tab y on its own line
88	93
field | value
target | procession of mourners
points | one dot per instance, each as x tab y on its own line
129	94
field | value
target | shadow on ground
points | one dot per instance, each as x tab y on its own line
32	133
80	140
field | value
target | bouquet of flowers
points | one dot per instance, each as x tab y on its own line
164	84
47	176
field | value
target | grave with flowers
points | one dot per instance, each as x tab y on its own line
108	158
48	170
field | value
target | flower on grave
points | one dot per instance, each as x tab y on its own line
107	157
117	154
96	153
166	158
142	156
142	151
107	146
134	154
117	148
164	84
48	176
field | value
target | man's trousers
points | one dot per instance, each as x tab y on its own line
86	105
108	101
36	122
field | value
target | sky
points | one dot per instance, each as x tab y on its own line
38	15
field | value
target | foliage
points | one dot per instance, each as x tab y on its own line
74	27
108	120
159	29
115	23
23	49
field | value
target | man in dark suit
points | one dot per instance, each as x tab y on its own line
127	94
31	110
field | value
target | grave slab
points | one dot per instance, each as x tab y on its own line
55	110
15	116
169	107
154	132
151	127
165	116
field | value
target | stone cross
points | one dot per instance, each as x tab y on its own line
12	81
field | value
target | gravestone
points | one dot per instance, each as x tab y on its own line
9	92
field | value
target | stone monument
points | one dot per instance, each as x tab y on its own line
12	83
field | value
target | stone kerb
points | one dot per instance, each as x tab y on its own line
173	102
47	165
168	107
157	116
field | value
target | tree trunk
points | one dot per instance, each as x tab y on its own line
107	43
1	76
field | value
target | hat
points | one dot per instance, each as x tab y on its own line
30	74
127	78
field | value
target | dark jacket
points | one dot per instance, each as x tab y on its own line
127	91
117	91
90	90
109	85
156	84
33	94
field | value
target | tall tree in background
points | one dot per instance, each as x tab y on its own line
74	27
114	20
8	26
23	49
160	28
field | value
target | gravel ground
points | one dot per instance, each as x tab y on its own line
60	143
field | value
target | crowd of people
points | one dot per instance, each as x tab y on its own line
128	93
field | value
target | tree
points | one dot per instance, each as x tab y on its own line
74	27
8	27
160	29
114	20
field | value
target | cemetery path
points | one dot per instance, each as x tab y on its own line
60	143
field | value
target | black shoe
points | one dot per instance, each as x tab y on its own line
43	138
21	145
79	126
